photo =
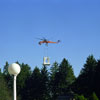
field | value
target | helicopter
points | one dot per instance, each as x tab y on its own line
46	41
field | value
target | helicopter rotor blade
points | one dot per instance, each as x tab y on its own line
44	38
39	39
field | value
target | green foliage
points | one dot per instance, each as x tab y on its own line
4	93
80	97
44	83
54	69
40	84
89	66
7	76
37	85
5	70
85	82
22	78
61	78
54	80
66	76
0	72
32	88
97	79
93	97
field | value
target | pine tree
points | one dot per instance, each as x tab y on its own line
93	97
66	76
4	92
85	82
53	85
54	69
22	78
61	78
80	97
7	76
97	79
44	83
33	86
54	81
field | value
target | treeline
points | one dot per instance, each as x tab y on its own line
44	84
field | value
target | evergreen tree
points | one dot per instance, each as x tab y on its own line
44	83
54	80
93	97
61	79
4	92
66	76
85	82
54	69
97	79
80	97
7	76
5	70
33	86
22	78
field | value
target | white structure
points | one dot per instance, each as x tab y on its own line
46	61
14	69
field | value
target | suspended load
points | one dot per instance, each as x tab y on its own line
46	61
